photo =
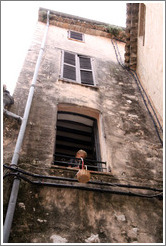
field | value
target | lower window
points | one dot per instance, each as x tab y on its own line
74	132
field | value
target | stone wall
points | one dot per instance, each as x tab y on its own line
128	140
58	215
131	35
144	51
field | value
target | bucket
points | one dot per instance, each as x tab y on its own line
83	175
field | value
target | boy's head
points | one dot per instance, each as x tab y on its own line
81	154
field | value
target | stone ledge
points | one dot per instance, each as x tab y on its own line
82	24
76	83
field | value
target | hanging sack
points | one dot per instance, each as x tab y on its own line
83	175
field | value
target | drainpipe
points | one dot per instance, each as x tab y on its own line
16	182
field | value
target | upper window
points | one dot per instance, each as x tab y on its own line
77	68
75	36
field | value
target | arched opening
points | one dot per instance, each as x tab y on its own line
77	128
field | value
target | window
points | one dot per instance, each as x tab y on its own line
74	132
77	68
75	36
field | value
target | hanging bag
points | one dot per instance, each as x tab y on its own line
83	175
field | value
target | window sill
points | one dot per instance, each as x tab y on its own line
73	82
80	41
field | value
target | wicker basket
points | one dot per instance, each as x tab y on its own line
83	176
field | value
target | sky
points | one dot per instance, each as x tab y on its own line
18	22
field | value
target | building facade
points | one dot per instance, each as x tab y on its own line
83	99
145	50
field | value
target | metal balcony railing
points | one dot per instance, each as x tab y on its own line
69	161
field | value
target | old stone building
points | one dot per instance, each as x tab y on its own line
144	49
72	93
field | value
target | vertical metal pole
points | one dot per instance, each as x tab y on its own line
10	211
16	182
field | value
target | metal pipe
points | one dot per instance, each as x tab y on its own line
10	114
68	156
15	188
29	101
11	209
73	164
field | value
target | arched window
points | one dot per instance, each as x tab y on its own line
75	131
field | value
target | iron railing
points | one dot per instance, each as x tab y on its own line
69	161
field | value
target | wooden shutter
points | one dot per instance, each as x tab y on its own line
76	35
86	70
69	66
77	68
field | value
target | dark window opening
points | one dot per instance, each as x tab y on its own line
74	132
76	36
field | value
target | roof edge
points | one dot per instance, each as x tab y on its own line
75	17
81	24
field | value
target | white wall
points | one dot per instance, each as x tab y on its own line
150	56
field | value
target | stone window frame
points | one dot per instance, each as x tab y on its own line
73	35
77	67
97	116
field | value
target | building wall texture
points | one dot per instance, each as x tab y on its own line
150	55
128	141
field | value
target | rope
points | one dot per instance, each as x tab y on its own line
82	162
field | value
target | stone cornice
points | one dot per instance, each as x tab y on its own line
83	25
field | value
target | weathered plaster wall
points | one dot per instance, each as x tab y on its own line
131	149
150	56
73	216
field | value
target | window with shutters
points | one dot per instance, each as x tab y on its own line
77	68
76	36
